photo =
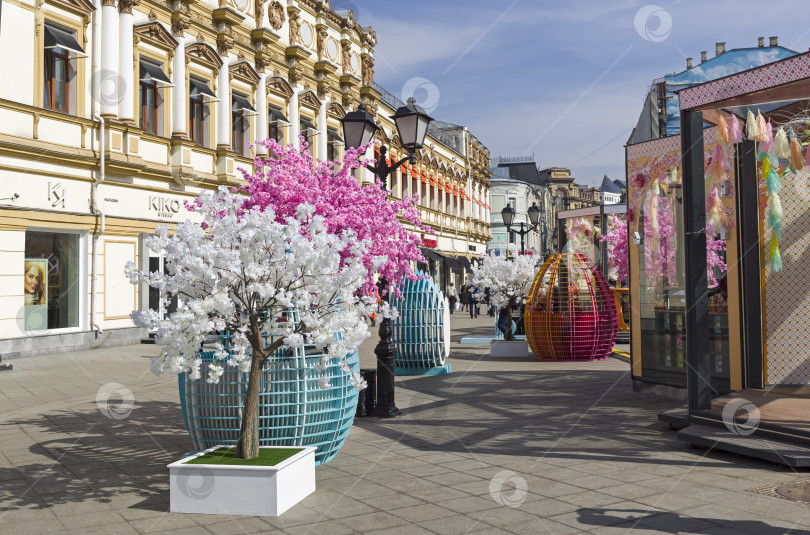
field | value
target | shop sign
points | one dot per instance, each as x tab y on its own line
56	194
163	206
428	242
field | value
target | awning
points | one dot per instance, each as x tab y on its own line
152	71
432	180
201	88
454	264
56	38
423	174
333	136
240	103
431	255
276	115
306	125
466	263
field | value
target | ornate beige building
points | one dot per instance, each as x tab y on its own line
119	111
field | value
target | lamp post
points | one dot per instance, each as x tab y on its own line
358	129
508	215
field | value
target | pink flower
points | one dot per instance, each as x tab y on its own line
292	177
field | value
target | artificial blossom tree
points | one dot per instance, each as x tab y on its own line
294	177
508	281
242	268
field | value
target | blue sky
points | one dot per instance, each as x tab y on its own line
565	81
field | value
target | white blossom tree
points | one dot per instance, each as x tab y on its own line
509	282
241	269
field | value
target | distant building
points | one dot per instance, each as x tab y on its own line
660	116
611	193
516	181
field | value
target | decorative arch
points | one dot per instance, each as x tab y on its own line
395	142
280	86
156	35
310	99
335	110
244	71
205	54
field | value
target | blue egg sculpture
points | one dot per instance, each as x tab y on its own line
293	409
421	333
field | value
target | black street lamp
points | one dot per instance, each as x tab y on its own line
508	215
358	129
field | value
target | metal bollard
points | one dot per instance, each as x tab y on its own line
367	399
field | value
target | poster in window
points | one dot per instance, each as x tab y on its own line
36	294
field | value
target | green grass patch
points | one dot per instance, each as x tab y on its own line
267	457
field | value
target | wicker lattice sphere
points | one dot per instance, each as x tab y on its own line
570	313
293	410
421	333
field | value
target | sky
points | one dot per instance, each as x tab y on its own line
564	81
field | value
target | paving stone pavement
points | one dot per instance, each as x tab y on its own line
505	446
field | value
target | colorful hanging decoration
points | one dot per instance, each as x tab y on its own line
761	127
735	130
751	127
781	147
796	156
767	142
774	185
723	133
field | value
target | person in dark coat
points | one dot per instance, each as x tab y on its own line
472	300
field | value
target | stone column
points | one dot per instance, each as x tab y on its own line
179	126
295	121
109	60
128	85
224	96
322	138
261	106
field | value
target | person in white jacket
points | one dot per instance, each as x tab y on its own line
452	296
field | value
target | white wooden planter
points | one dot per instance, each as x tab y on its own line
217	489
512	349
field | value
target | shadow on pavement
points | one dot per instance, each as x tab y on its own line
664	522
95	457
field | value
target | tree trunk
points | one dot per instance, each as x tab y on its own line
248	445
509	335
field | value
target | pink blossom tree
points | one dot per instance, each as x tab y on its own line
293	177
616	240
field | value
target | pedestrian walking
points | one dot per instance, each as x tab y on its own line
463	296
472	299
488	301
451	295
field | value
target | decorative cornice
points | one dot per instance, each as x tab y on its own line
277	84
334	109
108	3
309	98
205	54
125	6
243	69
223	45
179	24
155	34
79	7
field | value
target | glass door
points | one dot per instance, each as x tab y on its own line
157	301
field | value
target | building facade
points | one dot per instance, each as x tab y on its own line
122	111
516	182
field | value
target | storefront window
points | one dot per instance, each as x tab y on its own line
51	280
662	286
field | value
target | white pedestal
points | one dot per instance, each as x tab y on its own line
511	349
216	489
